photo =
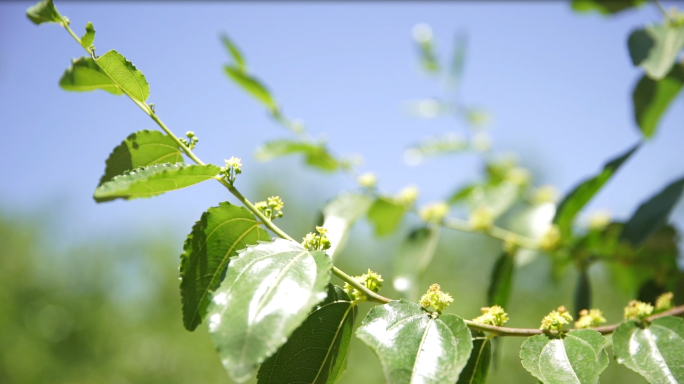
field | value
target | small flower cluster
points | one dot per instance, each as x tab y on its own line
590	318
481	219
545	194
551	239
191	141
435	298
434	212
664	302
370	280
232	169
555	320
518	176
271	208
407	196
368	180
494	315
637	310
316	242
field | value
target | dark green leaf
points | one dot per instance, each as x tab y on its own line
605	7
475	372
652	214
234	53
154	180
415	347
215	238
85	75
125	75
339	215
656	352
501	281
385	214
410	263
582	292
252	86
268	291
656	47
578	358
316	352
653	97
44	12
580	196
315	154
141	149
89	37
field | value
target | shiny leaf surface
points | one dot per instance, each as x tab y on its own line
339	215
43	12
316	155
85	75
475	372
501	281
656	47
125	75
385	214
415	255
652	98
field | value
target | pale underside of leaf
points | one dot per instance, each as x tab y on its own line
125	75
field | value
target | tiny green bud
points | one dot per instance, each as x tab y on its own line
555	320
367	180
435	298
664	302
407	196
551	239
316	242
321	230
370	280
190	134
494	315
234	162
481	219
545	194
590	318
434	212
637	310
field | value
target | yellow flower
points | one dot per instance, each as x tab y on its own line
494	315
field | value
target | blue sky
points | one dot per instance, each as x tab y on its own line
557	83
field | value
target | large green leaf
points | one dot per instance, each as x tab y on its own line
85	75
154	180
656	47
316	154
89	37
268	291
43	12
578	358
605	7
414	346
653	97
140	149
339	215
316	352
252	86
656	351
501	281
385	214
215	238
580	196
125	75
234	53
652	214
475	372
415	255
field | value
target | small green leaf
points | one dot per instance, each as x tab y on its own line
462	194
475	372
656	352
385	214
154	180
85	75
415	255
268	291
580	196
605	7
252	86
89	37
141	149
234	53
44	12
582	292
415	347
125	75
578	358
428	59
501	281
656	47
315	154
653	97
316	352
340	214
652	214
215	238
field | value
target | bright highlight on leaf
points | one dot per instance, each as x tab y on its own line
656	47
125	75
85	75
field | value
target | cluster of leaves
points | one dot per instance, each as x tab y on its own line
269	304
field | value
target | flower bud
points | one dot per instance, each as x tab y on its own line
664	302
407	196
434	212
551	239
590	318
436	299
637	310
555	320
494	315
367	180
481	219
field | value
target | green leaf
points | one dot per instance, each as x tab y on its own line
215	238
315	154
605	7
501	282
85	75
428	59
415	347
125	75
89	37
578	358
141	149
340	214
316	352
656	47
656	352
462	194
415	255
653	97
385	214
582	292
580	196
475	372
268	291
44	12
252	86
652	214
234	53
154	180
458	59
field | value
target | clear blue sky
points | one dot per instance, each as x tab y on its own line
558	84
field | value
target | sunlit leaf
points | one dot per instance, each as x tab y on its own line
85	75
656	47
653	97
252	86
234	53
605	7
582	292
215	238
385	214
315	154
339	215
89	37
415	255
578	358
501	280
268	291
125	75
415	347
462	193
44	12
656	351
475	372
316	352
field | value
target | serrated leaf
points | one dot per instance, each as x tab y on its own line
141	149
578	358
415	255
234	53
89	37
215	238
44	12
154	180
656	352
605	7
501	281
582	292
85	75
652	98
316	352
340	214
268	291
475	372
385	214
656	47
652	214
574	201
315	154
252	86
415	347
125	75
